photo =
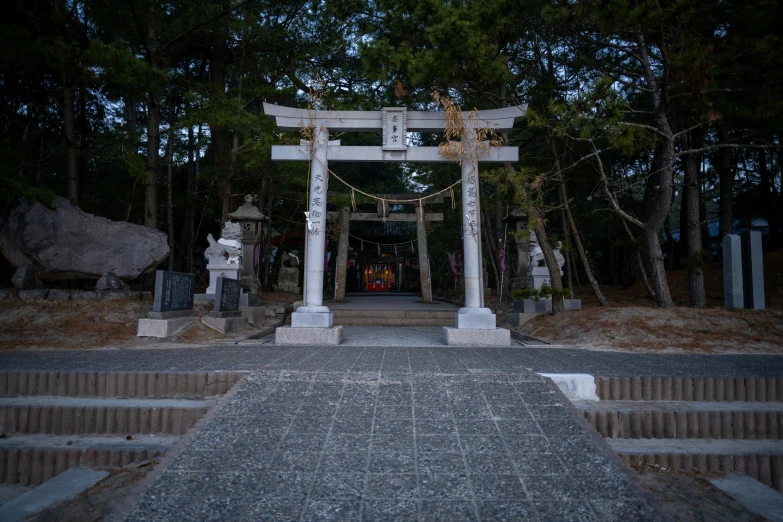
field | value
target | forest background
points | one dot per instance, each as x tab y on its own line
645	117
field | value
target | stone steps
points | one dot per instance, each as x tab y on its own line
690	388
73	416
759	459
685	420
726	424
32	459
394	317
115	384
53	421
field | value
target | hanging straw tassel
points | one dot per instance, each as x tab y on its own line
451	189
353	199
379	249
413	247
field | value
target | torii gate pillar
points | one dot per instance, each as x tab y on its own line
313	323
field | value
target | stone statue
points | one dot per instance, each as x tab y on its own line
291	259
537	269
229	245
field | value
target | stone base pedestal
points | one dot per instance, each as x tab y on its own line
287	335
255	315
163	328
221	269
530	306
518	319
476	337
225	322
475	319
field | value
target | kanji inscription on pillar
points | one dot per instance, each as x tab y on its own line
395	124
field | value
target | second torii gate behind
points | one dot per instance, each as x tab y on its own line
394	123
383	214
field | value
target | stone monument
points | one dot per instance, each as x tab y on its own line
226	316
172	308
288	279
224	258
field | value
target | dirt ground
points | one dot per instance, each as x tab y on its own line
632	322
90	325
689	497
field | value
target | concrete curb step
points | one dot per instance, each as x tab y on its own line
395	314
690	388
759	459
684	420
73	416
32	459
380	321
116	384
346	317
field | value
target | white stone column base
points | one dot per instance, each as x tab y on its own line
312	320
287	335
476	337
475	319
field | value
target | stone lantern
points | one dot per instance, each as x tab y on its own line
248	217
518	223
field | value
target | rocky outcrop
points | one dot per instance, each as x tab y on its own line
66	243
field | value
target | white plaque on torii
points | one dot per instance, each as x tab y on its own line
395	124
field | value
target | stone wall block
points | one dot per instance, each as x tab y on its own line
616	389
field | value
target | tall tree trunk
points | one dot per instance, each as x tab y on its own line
691	194
153	159
572	225
153	138
768	200
170	183
658	193
187	243
71	147
568	244
726	182
706	240
551	263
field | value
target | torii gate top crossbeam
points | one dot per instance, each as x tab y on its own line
293	119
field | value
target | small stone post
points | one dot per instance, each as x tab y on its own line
752	270
424	260
342	255
732	272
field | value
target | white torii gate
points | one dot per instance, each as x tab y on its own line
313	323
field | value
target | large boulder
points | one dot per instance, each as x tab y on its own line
66	243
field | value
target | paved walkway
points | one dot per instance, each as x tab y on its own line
394	432
374	439
431	360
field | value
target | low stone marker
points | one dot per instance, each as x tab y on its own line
172	308
752	270
226	316
732	272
